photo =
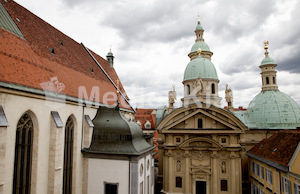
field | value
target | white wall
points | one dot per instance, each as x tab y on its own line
15	104
104	170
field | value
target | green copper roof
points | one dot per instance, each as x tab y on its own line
7	23
115	134
267	61
202	45
200	67
199	27
109	53
274	110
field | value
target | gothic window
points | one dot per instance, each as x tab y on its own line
23	155
213	88
179	182
267	80
188	89
68	156
200	124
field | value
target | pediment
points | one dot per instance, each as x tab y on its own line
216	117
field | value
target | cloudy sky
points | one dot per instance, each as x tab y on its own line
151	39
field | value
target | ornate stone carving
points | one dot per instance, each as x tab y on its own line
201	159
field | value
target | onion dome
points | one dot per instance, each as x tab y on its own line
115	134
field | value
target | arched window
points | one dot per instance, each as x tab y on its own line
23	155
68	156
213	88
274	80
200	123
267	80
188	89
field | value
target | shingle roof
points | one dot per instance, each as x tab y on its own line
279	148
29	62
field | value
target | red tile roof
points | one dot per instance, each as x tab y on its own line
29	62
144	115
279	148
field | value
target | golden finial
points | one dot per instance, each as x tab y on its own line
198	18
266	43
199	51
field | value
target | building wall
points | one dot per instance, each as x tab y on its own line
111	171
280	182
48	140
146	174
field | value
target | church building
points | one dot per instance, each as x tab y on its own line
59	116
202	147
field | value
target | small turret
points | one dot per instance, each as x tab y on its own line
268	71
110	58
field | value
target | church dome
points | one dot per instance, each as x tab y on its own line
200	67
274	110
268	61
200	44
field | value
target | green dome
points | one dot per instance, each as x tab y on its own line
200	67
109	53
199	27
274	110
267	61
202	45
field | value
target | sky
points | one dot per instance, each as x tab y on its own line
151	40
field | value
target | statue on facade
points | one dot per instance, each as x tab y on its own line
172	98
198	86
229	98
223	167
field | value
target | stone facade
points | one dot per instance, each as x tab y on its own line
210	154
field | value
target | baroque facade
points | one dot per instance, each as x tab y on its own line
202	147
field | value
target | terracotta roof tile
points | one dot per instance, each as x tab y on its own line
29	62
279	148
144	115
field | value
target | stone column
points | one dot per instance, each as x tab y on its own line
165	171
214	173
187	172
170	171
232	173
